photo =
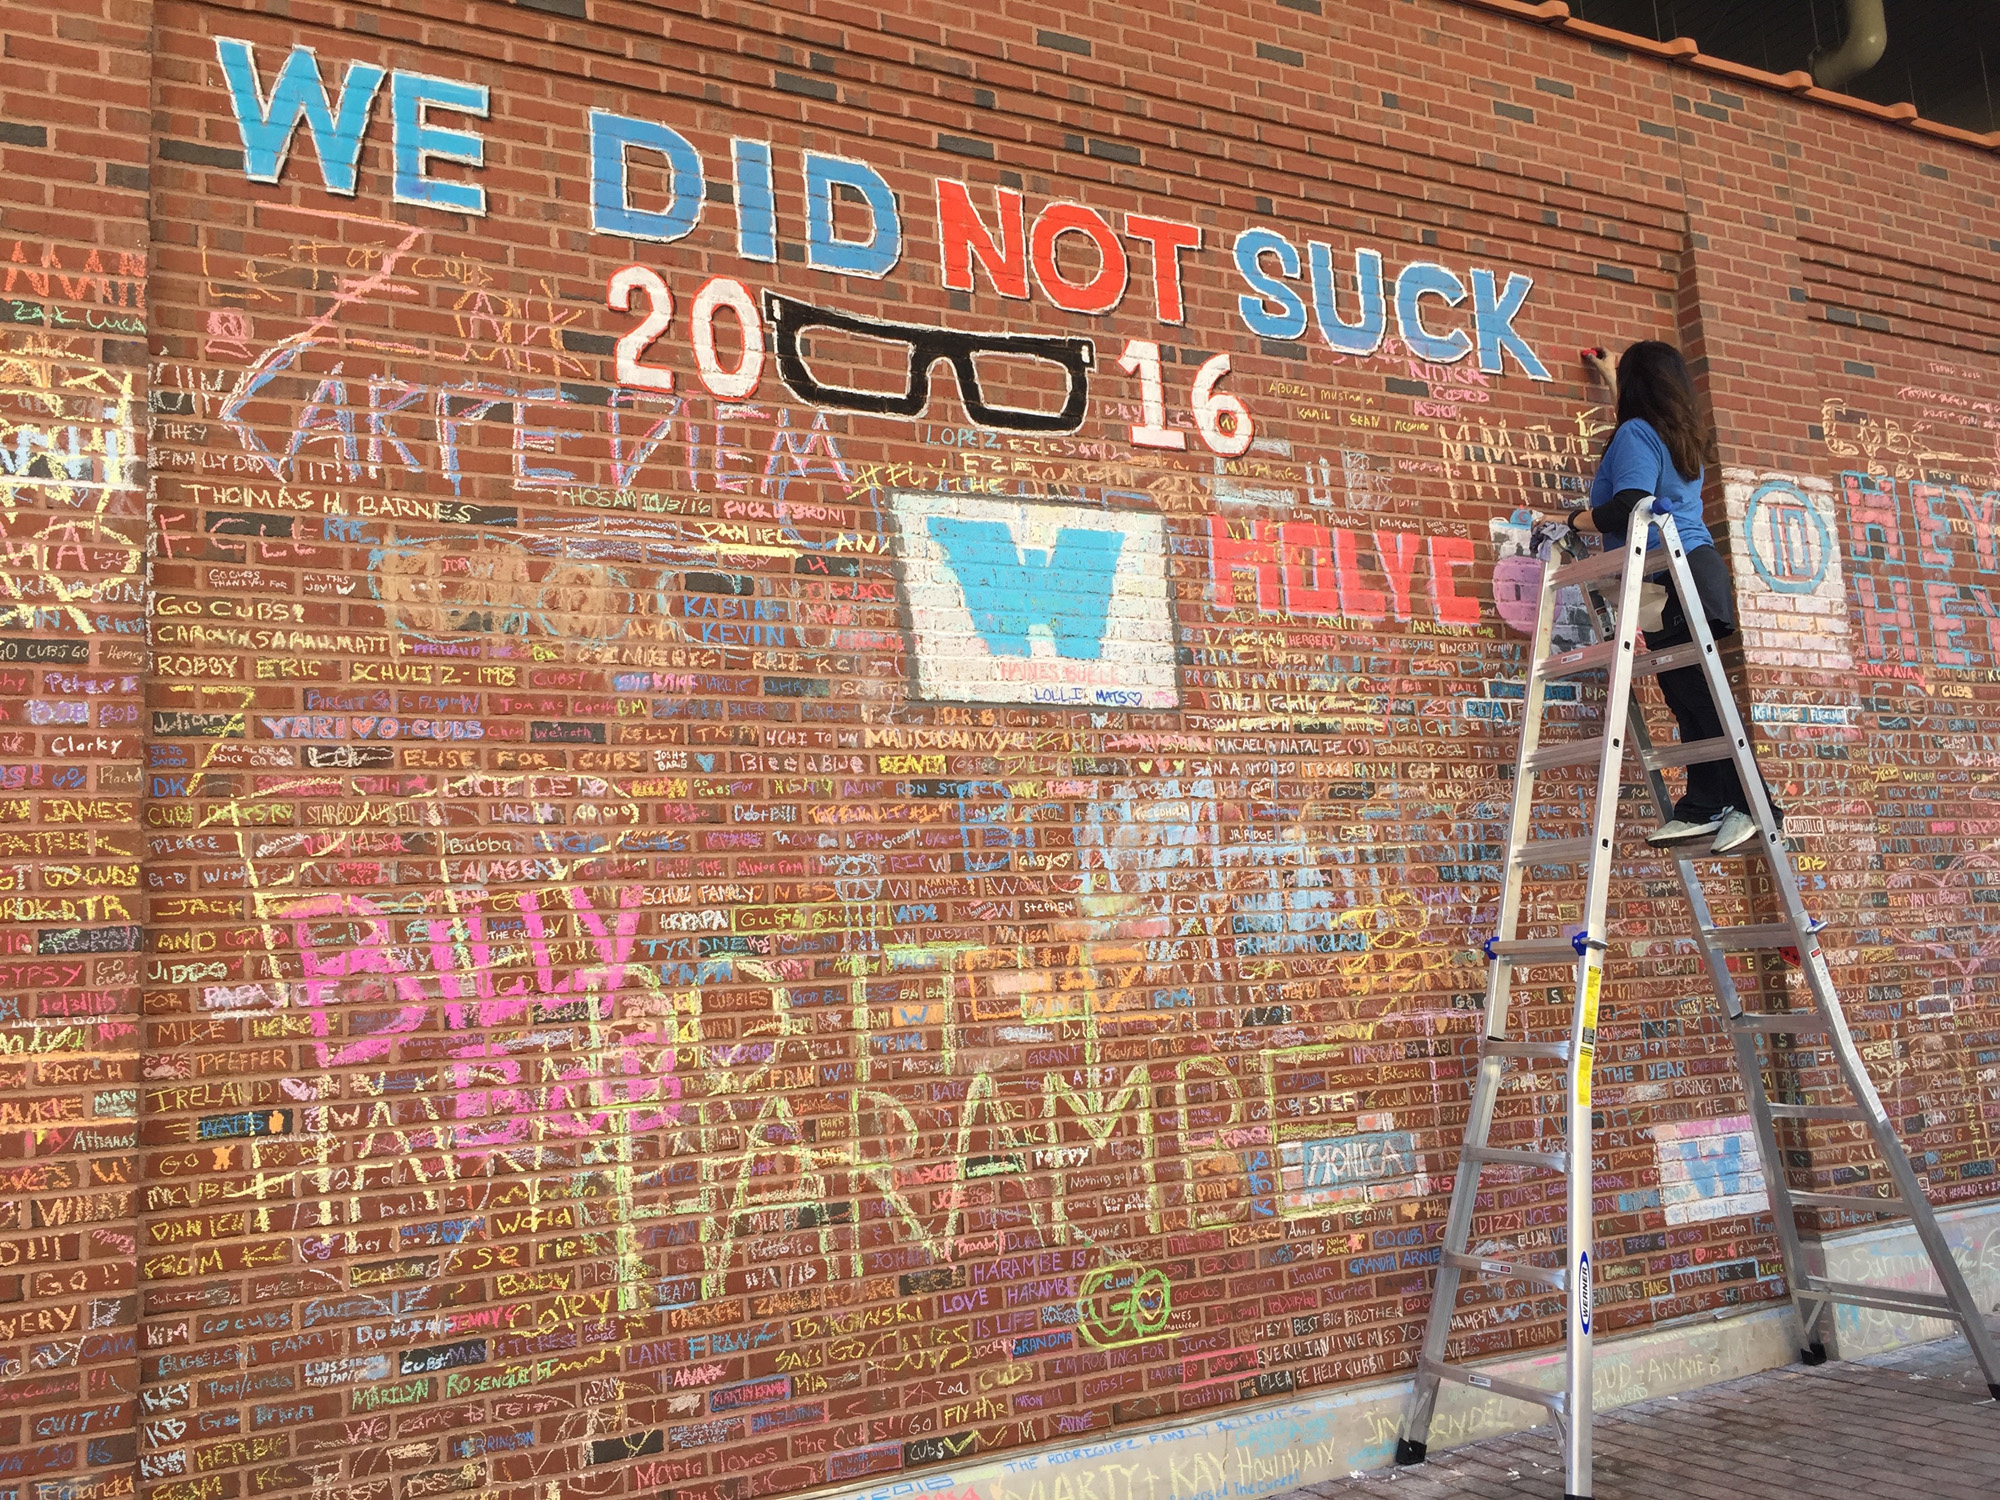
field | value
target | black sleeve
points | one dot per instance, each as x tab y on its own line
1616	512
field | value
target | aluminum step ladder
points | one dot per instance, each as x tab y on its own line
1611	582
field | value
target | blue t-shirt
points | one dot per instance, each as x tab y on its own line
1638	460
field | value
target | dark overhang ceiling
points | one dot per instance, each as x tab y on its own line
1943	55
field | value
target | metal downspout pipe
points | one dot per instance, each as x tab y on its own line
1867	37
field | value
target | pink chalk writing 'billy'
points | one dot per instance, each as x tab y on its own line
622	1077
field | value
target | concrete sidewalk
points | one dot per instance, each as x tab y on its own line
1915	1423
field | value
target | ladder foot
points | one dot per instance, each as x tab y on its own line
1994	1389
1410	1451
1813	1354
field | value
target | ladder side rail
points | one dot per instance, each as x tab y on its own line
1642	750
1744	758
1638	738
1521	810
1820	980
1901	1174
1415	1432
1422	1404
1777	1186
1750	1068
1749	1061
1581	1167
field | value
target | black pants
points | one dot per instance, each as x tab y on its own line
1713	786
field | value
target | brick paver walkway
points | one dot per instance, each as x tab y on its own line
1916	1423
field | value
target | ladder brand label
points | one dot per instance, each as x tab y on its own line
1583	1289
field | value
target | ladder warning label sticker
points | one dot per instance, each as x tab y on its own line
1586	1040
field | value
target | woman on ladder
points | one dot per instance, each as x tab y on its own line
1661	448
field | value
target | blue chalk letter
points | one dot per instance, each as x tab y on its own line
417	141
1419	279
1290	321
1010	592
1493	322
611	211
756	204
267	130
1364	335
874	256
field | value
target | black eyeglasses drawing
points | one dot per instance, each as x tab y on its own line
789	318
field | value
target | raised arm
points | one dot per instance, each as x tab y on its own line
1602	366
1607	371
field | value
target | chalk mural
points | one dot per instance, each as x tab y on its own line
756	811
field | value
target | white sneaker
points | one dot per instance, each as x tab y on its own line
1738	828
1681	831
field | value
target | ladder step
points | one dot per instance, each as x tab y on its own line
1889	1299
1758	935
1651	662
1553	1400
1574	851
1509	1270
1609	564
1701	752
1818	1112
1805	1023
1849	1203
1534	951
1604	655
1691	853
1569	753
1551	1051
1514	1156
1564	664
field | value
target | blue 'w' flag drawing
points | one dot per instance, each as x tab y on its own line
1057	602
1010	590
1709	1169
1717	1173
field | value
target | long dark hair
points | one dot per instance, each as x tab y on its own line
1654	383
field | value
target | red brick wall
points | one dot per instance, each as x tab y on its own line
724	943
74	310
